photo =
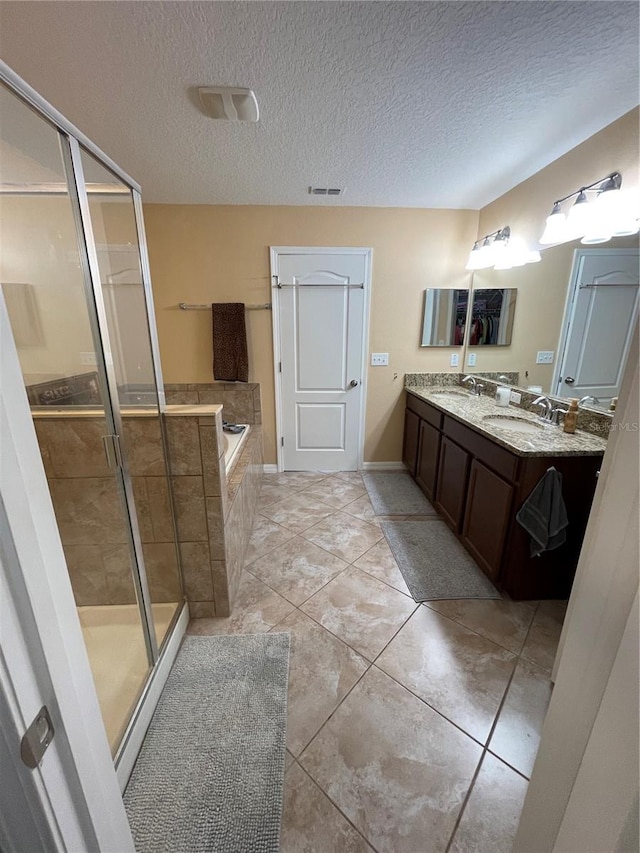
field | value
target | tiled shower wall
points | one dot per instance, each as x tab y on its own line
241	400
89	511
214	513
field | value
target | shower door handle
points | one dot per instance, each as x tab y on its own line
112	450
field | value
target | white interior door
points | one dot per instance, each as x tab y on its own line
320	309
601	318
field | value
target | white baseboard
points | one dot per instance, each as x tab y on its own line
366	466
383	466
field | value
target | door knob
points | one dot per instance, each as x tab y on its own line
569	380
353	383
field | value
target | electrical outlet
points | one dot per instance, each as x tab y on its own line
455	359
516	396
545	357
379	359
471	359
87	358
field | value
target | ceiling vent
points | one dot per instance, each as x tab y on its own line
228	103
326	190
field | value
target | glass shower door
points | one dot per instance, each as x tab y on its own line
115	231
44	273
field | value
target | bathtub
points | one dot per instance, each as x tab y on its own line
233	443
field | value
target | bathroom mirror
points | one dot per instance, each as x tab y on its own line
492	315
573	327
444	317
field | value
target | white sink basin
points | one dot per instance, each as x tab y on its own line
514	424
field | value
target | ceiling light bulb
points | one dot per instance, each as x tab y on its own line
474	257
626	214
555	229
580	216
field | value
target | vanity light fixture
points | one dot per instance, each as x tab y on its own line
609	213
501	251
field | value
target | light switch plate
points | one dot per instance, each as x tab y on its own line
516	396
455	359
379	359
471	359
87	358
544	357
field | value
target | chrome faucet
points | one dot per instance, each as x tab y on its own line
546	404
583	400
555	414
476	387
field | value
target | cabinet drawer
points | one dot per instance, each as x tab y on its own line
425	411
497	458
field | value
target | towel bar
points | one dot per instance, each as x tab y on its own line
184	306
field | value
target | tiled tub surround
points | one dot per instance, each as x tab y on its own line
214	508
241	400
547	440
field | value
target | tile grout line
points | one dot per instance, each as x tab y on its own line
371	663
472	630
336	806
486	748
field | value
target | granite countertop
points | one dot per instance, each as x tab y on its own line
547	440
205	410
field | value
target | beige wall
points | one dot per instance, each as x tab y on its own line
39	248
542	287
207	254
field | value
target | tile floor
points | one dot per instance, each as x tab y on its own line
411	727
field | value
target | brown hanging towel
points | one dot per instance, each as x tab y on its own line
230	359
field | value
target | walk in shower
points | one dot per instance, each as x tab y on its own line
75	279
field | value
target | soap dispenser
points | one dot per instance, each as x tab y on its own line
571	416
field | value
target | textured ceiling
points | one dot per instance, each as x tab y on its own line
427	104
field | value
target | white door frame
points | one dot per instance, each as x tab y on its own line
42	651
275	252
570	302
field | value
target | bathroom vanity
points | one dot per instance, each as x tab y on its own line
477	463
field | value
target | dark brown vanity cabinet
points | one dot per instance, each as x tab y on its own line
428	455
487	517
478	486
453	471
410	442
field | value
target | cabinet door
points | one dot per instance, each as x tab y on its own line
410	443
451	488
487	518
428	452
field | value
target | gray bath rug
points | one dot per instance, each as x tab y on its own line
210	774
433	563
395	493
